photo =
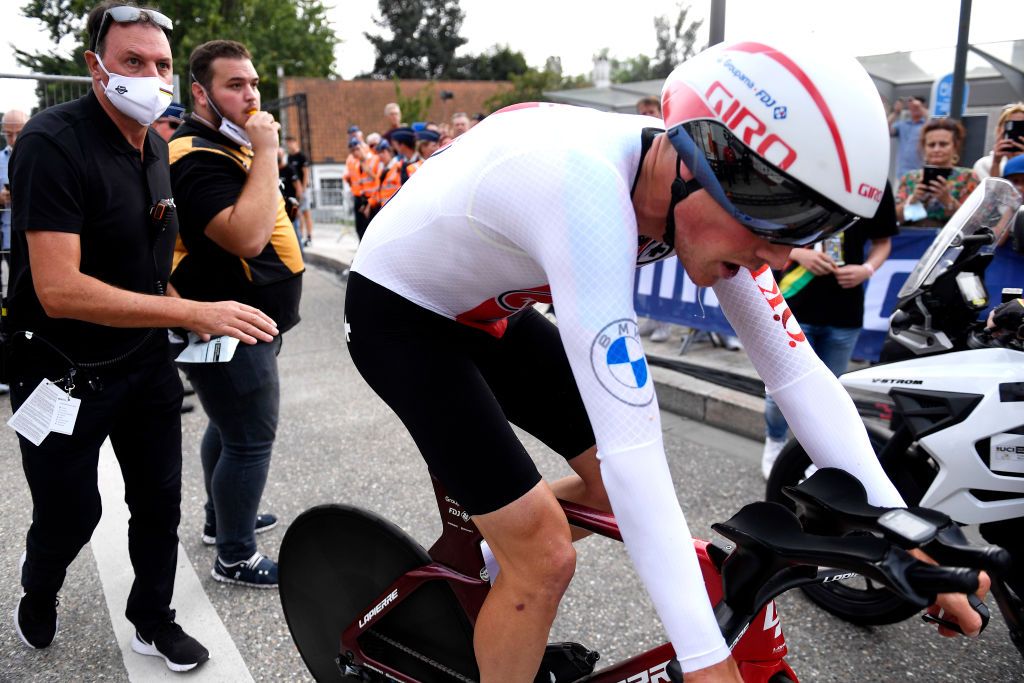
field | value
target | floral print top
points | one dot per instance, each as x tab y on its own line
962	182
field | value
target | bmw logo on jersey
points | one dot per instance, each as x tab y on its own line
617	357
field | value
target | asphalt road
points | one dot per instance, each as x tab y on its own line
338	442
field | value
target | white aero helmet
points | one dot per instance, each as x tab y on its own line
794	143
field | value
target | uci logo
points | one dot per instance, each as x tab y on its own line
748	127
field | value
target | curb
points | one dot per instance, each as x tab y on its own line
696	399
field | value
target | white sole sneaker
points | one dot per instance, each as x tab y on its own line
17	628
247	584
212	540
144	648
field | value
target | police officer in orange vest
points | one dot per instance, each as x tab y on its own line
363	174
390	177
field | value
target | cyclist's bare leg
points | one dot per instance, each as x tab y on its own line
531	541
585	487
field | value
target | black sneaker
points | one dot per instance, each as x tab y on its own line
180	651
35	619
259	571
264	522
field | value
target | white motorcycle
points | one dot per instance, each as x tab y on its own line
957	407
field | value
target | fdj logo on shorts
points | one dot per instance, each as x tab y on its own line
617	358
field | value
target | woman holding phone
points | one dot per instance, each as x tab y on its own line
928	197
1009	142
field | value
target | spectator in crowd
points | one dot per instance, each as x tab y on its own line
1006	147
649	106
355	132
1014	172
291	190
91	179
169	121
235	239
460	123
300	164
930	204
477	118
362	170
393	118
427	142
824	286
907	131
404	142
372	140
389	179
12	123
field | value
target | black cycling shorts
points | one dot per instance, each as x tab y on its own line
456	388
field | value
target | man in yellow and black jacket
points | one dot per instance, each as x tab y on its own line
235	240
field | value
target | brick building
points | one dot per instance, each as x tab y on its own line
334	105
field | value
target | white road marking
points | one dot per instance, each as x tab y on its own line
195	613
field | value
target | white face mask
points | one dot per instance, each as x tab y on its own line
141	98
230	130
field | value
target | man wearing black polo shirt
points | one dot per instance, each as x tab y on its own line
235	240
825	290
94	231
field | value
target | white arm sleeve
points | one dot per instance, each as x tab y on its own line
819	411
585	239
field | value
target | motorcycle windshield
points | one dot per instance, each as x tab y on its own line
991	206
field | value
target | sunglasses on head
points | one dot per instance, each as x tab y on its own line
126	14
764	199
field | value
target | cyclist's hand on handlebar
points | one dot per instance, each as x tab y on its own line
955	607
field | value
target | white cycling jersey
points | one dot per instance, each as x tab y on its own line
534	205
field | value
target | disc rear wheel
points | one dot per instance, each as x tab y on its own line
335	560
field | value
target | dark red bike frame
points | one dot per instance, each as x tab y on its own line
456	559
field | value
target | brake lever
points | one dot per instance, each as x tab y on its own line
976	603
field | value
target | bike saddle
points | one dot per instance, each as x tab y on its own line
769	540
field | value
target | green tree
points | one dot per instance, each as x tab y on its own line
499	63
530	85
424	37
414	107
294	34
675	41
632	69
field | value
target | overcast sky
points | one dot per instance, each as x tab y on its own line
576	29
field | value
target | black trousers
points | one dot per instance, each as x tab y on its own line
139	409
361	220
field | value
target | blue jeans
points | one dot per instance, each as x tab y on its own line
241	399
834	346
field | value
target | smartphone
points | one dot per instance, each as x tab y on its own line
933	172
1014	130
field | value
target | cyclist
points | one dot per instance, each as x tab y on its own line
543	203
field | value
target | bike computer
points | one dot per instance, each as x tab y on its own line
903	525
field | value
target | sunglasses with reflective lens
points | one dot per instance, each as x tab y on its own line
763	198
125	14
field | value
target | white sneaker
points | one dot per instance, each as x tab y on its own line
645	326
733	343
769	455
661	333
